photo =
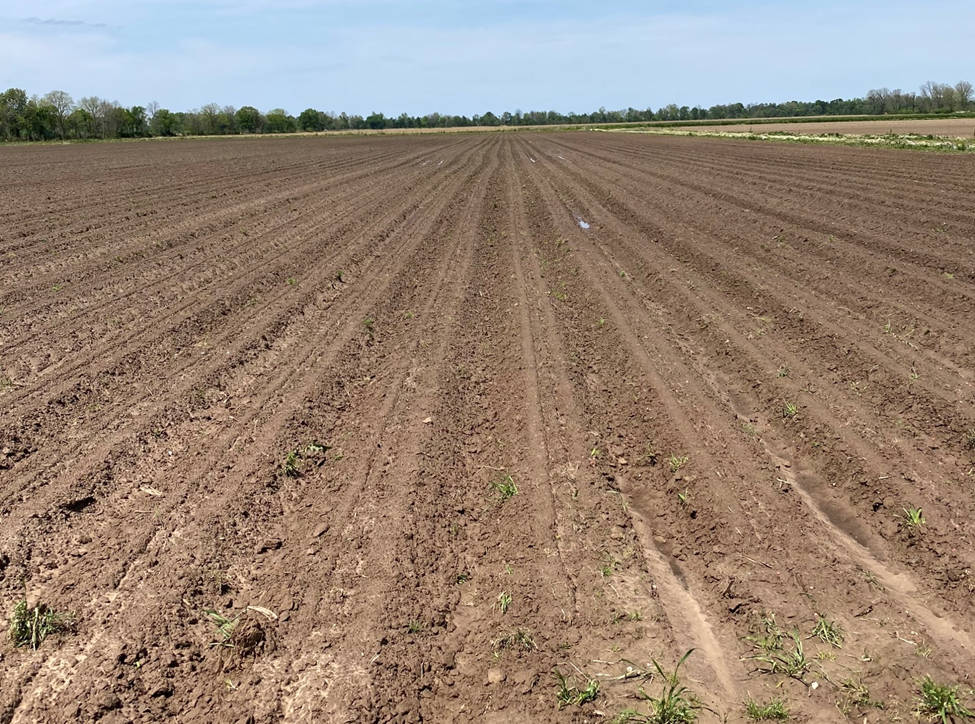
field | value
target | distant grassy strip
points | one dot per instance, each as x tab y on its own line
907	141
785	119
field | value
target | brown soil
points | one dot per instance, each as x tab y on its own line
258	403
953	127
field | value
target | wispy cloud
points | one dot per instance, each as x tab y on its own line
57	22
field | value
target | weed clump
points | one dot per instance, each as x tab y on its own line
567	693
774	710
505	487
30	625
940	702
676	704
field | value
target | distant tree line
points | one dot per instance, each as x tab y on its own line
57	115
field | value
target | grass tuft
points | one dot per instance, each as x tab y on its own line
568	694
30	625
677	462
516	639
913	518
940	702
505	487
780	660
676	704
773	710
829	632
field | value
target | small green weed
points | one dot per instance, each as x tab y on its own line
516	639
505	487
856	695
790	410
30	625
913	518
793	663
677	462
225	628
292	281
504	601
291	464
568	694
940	702
782	372
676	703
293	461
829	632
770	637
773	710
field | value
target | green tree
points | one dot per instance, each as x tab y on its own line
278	121
312	120
249	120
13	109
79	124
375	121
165	123
62	104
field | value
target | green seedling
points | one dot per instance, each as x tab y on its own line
292	464
676	704
292	281
677	462
771	637
940	703
30	625
790	410
505	487
829	632
773	710
793	663
568	694
225	628
518	639
913	518
856	695
504	601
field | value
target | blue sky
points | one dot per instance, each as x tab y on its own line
470	56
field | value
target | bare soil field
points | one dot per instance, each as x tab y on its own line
950	127
393	429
